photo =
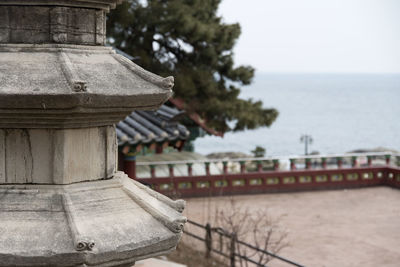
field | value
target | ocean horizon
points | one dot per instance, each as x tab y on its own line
342	112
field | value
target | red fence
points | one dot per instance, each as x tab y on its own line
274	181
316	173
393	177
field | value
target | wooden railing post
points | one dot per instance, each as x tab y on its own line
232	249
243	259
190	169
171	170
242	167
208	240
152	171
292	164
225	167
354	161
339	162
207	165
259	166
323	163
369	161
387	159
229	180
276	164
308	163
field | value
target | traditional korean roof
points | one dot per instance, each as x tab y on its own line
151	126
179	103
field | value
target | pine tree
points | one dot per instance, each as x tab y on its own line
188	40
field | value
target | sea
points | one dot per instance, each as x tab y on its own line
341	113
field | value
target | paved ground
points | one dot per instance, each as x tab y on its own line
359	227
153	262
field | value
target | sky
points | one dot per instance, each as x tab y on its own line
341	36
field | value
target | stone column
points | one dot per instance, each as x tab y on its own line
61	91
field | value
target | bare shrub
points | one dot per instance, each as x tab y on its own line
256	228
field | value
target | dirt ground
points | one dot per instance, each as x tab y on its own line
358	227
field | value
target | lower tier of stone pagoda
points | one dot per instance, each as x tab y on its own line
100	223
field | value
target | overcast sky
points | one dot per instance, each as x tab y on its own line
317	35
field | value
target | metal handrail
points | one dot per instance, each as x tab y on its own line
225	233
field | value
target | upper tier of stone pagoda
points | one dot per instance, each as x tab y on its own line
96	4
55	71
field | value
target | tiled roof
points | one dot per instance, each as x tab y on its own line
142	127
179	103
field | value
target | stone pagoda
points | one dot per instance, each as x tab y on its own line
62	201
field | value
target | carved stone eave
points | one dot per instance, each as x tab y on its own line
62	203
103	223
95	4
61	86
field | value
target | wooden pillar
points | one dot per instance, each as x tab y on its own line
121	161
152	171
387	159
180	145
207	165
130	166
171	170
152	147
276	164
354	161
369	160
259	165
159	148
242	167
292	164
189	168
225	167
323	163
308	163
339	162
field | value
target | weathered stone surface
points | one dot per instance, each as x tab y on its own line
65	86
56	156
96	4
103	223
26	24
62	203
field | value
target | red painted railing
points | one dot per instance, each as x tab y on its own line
275	180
